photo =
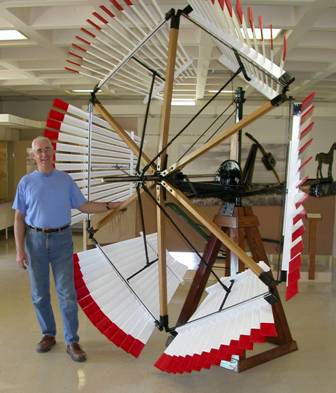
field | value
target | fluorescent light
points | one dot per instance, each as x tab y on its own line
222	92
183	102
11	35
83	91
266	33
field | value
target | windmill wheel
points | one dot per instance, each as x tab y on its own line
124	288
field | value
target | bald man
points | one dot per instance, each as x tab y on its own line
43	203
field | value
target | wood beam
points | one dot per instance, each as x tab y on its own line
250	118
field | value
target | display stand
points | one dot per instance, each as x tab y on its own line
242	226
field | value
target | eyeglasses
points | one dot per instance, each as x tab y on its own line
44	150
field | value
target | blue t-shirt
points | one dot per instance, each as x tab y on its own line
46	200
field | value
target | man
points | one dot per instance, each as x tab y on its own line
43	203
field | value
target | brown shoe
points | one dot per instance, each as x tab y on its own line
46	344
76	353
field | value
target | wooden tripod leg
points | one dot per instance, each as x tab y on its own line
284	341
248	223
200	279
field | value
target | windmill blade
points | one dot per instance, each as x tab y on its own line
126	41
215	333
119	293
265	76
68	127
293	226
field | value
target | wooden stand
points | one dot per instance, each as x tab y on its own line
313	220
243	228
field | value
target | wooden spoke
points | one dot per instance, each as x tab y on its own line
213	228
248	119
99	108
165	120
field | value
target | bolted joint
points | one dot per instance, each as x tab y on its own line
163	325
283	276
91	231
172	332
158	325
267	279
286	79
170	14
187	10
278	100
239	97
271	298
94	99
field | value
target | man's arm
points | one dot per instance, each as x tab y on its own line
98	207
19	233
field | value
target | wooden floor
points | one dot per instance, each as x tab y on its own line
311	315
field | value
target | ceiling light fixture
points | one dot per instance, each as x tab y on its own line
11	35
84	91
266	33
222	92
183	102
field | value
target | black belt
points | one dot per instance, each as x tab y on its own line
49	230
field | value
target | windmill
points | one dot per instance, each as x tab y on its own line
148	59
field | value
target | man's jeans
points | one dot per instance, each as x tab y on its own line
55	249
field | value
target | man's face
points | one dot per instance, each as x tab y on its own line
42	154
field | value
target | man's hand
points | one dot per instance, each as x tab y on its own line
116	205
21	259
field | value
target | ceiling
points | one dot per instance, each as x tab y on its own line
35	67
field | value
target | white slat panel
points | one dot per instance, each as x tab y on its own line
111	293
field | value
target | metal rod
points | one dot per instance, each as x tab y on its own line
206	130
239	100
164	148
90	108
220	310
148	68
142	224
126	59
130	178
221	136
123	279
184	237
220	126
145	122
283	212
